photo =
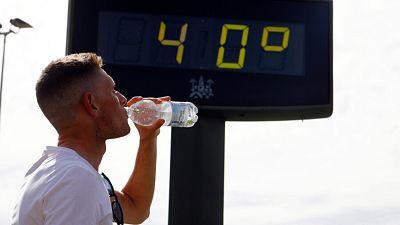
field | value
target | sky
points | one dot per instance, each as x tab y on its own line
342	170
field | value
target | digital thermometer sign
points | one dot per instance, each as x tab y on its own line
254	60
201	43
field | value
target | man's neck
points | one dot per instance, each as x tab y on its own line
91	151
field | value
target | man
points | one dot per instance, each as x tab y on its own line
64	187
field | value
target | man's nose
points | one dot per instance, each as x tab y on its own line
122	99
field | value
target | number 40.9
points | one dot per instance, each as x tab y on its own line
224	34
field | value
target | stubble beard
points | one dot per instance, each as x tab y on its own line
111	129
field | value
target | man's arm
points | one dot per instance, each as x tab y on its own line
137	195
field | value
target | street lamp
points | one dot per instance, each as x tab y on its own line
16	25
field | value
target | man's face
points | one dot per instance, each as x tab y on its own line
113	120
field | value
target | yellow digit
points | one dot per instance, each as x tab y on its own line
178	43
274	48
242	51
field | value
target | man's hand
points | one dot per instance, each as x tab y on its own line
153	130
156	100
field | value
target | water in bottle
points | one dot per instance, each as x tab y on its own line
175	114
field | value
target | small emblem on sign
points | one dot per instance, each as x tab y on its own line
201	89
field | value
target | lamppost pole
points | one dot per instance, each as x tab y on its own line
16	24
2	68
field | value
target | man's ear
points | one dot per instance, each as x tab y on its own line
90	104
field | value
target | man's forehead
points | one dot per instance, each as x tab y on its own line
107	78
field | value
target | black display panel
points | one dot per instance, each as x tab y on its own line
256	60
201	43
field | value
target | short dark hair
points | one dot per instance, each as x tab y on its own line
64	80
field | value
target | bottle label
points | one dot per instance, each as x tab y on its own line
179	114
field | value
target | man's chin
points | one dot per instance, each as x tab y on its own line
123	133
126	131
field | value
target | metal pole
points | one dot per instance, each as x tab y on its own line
2	70
197	173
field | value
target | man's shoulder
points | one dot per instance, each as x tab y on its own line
63	160
58	169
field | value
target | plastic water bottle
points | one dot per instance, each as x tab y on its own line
175	114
